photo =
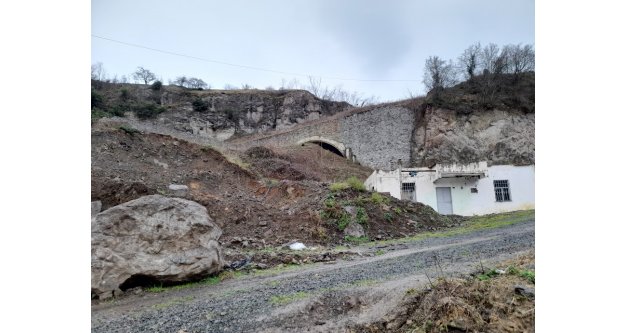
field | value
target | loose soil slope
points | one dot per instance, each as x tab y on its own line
254	211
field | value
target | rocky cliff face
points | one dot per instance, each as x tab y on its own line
222	113
248	111
499	137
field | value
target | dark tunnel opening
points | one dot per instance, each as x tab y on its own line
329	147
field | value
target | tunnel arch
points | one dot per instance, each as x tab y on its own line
325	141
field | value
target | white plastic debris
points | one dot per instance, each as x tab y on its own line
500	271
297	246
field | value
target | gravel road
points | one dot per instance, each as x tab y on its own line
319	297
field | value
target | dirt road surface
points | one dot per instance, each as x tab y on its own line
315	298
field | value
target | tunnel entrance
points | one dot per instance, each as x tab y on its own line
328	147
327	144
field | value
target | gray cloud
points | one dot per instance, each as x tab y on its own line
375	32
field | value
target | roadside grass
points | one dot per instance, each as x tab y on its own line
289	298
209	281
476	223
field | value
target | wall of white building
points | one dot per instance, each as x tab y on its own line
520	182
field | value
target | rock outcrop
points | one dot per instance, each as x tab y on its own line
499	137
218	114
152	239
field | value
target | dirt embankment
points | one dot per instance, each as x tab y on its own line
498	300
263	199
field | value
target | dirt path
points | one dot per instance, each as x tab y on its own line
314	298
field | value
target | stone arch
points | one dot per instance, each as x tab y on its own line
321	140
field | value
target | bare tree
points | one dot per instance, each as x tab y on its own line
97	72
502	61
228	86
246	86
438	74
181	81
469	60
488	57
521	58
145	75
314	85
195	83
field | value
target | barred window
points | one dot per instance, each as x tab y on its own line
408	191
408	187
502	190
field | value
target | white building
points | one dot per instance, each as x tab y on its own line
469	189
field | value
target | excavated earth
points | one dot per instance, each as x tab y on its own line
265	199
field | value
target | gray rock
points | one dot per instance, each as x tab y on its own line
96	207
354	229
178	190
153	237
524	291
350	210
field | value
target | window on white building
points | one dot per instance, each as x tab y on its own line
502	190
408	191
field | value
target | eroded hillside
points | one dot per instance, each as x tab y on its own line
259	198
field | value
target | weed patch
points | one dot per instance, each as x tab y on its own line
388	217
335	187
361	216
286	299
379	199
357	240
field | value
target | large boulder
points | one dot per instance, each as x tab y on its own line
152	239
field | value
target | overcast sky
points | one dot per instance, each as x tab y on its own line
332	39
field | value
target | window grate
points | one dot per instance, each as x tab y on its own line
407	187
502	190
408	191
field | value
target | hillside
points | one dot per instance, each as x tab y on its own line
262	196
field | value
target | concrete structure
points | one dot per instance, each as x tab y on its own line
469	189
376	136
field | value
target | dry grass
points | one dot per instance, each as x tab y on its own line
466	305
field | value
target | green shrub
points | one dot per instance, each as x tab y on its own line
356	184
388	216
200	105
118	110
379	198
147	111
124	95
343	221
157	85
97	113
361	216
97	100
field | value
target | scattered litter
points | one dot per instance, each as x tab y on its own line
237	265
297	246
